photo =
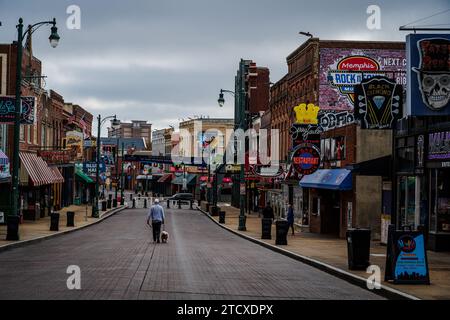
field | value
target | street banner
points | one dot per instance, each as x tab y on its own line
407	257
428	72
7	110
378	103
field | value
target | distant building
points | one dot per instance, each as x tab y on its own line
161	139
133	129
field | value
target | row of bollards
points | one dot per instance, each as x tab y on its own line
54	220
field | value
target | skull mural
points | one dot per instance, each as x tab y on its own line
434	72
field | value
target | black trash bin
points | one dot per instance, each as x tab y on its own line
104	205
54	221
12	223
214	211
282	228
70	219
222	217
358	248
266	228
109	203
114	203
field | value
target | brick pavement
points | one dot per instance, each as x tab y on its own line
119	260
333	251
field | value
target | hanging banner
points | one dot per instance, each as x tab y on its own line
428	70
378	103
7	110
409	258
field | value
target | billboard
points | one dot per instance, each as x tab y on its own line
74	140
343	68
428	72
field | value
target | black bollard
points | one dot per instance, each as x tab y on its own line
145	203
134	203
179	204
131	196
168	204
191	203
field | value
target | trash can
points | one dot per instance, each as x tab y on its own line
358	248
70	219
222	217
109	203
54	221
214	211
77	201
282	228
12	223
266	228
114	203
104	205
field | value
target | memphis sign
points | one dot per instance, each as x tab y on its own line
8	107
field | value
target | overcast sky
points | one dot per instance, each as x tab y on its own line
165	60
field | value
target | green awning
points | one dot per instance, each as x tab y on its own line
83	177
190	179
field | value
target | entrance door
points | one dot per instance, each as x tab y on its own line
409	201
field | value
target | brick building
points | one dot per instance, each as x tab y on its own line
324	73
133	129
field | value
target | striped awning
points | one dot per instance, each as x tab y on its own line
57	176
38	170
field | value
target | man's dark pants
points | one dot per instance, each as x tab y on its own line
156	226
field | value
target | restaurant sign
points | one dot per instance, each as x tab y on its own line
306	158
58	156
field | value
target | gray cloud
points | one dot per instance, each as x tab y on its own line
164	60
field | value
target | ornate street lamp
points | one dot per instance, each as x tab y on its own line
13	217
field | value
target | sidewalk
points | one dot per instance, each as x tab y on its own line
32	230
333	251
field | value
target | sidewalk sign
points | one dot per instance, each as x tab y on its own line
406	261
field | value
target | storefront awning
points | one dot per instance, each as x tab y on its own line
80	175
333	179
57	176
376	167
190	179
37	169
165	178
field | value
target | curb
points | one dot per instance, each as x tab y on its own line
384	291
25	243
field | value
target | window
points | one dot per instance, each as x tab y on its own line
28	134
22	133
440	201
315	210
35	134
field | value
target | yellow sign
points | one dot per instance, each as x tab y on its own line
306	114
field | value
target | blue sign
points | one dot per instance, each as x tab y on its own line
90	168
410	263
428	74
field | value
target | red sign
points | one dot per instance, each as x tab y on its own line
306	158
58	156
358	63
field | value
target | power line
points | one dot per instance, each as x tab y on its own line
422	19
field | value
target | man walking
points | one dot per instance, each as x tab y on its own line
156	214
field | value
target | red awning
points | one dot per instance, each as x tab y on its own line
57	176
165	178
38	170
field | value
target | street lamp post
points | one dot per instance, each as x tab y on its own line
13	233
97	171
240	106
122	182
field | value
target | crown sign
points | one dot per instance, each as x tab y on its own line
306	114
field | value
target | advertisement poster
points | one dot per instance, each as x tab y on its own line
428	71
7	108
410	263
306	158
75	140
341	69
378	103
4	166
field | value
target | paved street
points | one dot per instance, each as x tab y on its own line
119	260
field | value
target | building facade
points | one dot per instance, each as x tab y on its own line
133	129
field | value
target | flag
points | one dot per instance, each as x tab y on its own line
83	125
